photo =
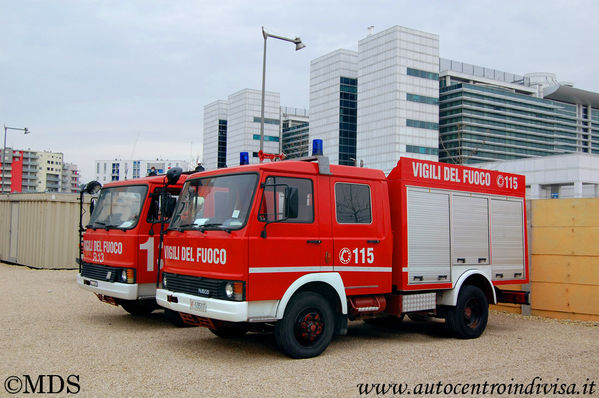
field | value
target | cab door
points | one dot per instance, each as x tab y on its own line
362	244
283	249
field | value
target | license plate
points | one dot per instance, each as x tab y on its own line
197	305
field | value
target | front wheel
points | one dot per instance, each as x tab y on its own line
307	326
468	319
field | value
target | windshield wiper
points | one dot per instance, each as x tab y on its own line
214	227
184	226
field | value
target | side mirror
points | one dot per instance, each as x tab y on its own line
172	175
92	187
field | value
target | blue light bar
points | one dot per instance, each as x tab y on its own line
317	148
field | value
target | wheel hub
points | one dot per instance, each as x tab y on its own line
309	327
472	314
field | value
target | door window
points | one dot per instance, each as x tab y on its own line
353	203
271	208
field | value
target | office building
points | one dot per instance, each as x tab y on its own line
334	104
295	128
233	126
375	105
215	135
487	115
120	170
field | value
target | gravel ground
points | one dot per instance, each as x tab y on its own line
51	326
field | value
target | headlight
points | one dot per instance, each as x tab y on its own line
127	275
229	290
163	281
234	290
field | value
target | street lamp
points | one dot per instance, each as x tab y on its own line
298	46
6	128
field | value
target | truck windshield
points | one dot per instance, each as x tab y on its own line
118	207
220	202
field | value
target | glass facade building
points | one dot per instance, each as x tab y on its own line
348	112
222	144
492	115
295	131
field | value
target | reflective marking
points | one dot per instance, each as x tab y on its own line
364	269
275	270
361	287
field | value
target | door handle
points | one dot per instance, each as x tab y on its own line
314	242
373	241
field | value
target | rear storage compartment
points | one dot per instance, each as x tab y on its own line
447	219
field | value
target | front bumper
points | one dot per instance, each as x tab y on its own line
125	291
223	310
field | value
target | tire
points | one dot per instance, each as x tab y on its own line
389	322
229	332
468	319
307	326
139	307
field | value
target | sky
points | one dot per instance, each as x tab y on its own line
124	79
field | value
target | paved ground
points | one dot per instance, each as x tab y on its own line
51	326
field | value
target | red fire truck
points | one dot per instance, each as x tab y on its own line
120	245
302	247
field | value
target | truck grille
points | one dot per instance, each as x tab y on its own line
100	272
196	286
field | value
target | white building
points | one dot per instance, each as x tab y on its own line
119	170
395	75
233	126
243	125
215	135
398	97
559	176
333	104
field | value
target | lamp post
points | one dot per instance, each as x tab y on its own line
6	128
298	46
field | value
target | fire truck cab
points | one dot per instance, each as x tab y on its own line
302	247
120	245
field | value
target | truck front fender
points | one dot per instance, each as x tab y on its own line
450	297
333	279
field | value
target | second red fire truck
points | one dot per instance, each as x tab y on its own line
120	246
301	247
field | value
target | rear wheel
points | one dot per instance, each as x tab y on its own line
139	307
307	326
468	319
